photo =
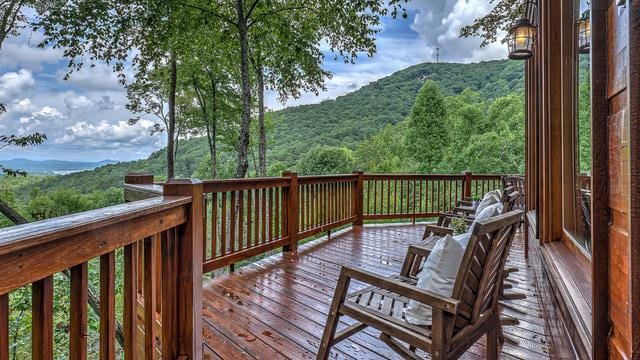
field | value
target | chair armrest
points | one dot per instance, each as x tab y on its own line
464	209
446	304
439	230
464	203
419	250
411	265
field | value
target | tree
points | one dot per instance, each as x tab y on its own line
107	31
326	160
427	137
348	30
384	153
153	92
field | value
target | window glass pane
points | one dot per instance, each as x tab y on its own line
580	229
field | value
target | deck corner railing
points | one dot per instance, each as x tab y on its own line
243	218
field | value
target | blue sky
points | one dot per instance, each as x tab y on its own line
85	117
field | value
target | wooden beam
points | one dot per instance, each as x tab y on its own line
599	180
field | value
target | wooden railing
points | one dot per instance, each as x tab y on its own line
162	269
410	196
243	218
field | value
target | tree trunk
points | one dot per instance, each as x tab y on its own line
171	129
262	146
243	141
11	214
212	129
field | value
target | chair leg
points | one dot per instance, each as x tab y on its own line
333	318
403	351
493	341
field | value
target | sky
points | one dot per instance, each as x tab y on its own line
85	118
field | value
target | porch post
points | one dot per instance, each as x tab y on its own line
359	199
467	184
292	211
138	179
188	290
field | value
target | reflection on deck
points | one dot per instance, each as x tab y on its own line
276	308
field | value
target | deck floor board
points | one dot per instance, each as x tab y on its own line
276	308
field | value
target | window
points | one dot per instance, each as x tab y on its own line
577	145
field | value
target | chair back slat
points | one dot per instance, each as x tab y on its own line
480	276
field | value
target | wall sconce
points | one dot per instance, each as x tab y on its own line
584	33
521	39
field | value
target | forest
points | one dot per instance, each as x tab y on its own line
366	130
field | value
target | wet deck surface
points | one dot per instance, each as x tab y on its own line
276	308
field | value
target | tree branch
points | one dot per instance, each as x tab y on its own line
210	12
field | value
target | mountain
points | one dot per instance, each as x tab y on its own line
57	167
343	121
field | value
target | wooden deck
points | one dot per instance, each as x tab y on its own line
276	308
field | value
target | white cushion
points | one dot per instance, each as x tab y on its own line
490	200
497	193
486	213
438	276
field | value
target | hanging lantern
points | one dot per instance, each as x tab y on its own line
584	33
521	39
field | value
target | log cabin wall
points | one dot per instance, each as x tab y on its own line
588	299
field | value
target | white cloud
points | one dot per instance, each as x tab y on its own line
78	102
106	135
47	112
23	106
439	24
12	84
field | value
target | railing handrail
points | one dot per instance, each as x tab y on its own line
38	233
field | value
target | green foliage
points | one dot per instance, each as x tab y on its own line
384	153
584	117
326	160
427	136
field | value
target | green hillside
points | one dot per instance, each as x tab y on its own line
345	121
361	114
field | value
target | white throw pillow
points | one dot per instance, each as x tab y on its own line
497	193
487	202
486	213
438	276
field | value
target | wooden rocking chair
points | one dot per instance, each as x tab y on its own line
441	228
458	321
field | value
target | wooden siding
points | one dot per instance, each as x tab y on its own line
276	308
619	180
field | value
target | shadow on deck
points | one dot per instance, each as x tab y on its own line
276	308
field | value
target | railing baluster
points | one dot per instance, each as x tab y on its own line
149	291
233	211
271	237
214	225
250	242
241	243
78	312
263	209
130	316
223	226
42	319
108	306
169	261
256	197
4	326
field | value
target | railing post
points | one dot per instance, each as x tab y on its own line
358	197
293	211
135	179
189	270
467	184
138	178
